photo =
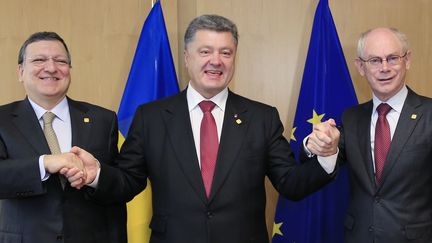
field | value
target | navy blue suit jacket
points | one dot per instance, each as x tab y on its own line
33	211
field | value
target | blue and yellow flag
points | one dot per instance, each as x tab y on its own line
152	76
326	91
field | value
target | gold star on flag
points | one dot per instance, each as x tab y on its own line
316	118
292	133
276	229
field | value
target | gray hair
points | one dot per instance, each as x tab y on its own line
399	35
210	22
41	36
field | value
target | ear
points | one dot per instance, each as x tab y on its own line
408	60
186	57
360	66
20	72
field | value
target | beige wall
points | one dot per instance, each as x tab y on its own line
274	35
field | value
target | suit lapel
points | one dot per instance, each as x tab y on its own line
365	140
81	123
177	122
234	129
27	123
403	131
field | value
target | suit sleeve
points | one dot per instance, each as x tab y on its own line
127	176
20	176
291	179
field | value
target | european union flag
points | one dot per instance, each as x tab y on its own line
326	91
152	76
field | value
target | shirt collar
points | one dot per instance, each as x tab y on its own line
60	110
396	102
194	98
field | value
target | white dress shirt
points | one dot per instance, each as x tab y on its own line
61	125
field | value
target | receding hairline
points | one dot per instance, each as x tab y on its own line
400	36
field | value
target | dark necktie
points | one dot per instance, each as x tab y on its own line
382	140
209	144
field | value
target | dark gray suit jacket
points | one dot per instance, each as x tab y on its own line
160	147
399	209
33	211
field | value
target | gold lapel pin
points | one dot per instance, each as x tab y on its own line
238	120
414	116
86	120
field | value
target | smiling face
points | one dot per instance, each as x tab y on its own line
210	61
385	80
45	72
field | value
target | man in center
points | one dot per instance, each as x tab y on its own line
207	151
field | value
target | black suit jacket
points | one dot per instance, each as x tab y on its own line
33	211
160	147
400	208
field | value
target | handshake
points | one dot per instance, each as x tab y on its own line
78	166
324	139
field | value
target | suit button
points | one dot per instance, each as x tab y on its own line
377	200
59	237
371	229
209	214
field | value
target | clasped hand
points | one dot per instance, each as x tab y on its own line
78	166
324	139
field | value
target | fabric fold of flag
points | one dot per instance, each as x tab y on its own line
326	91
152	76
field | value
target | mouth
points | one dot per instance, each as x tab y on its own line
213	72
385	79
49	78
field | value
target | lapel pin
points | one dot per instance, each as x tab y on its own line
238	120
414	116
86	120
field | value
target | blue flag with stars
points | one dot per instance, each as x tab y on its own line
326	91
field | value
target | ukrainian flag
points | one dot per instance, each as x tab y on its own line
152	76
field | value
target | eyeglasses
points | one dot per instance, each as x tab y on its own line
391	60
43	60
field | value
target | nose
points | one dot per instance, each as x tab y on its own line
50	65
384	65
215	59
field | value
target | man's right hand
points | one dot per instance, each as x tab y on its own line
91	165
54	162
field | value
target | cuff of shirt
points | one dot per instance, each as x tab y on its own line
43	173
327	163
95	182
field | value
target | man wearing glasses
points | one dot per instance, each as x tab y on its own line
36	134
387	145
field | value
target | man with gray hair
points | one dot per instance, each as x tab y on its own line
387	145
207	150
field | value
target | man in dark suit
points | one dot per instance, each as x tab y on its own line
38	205
390	175
193	200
